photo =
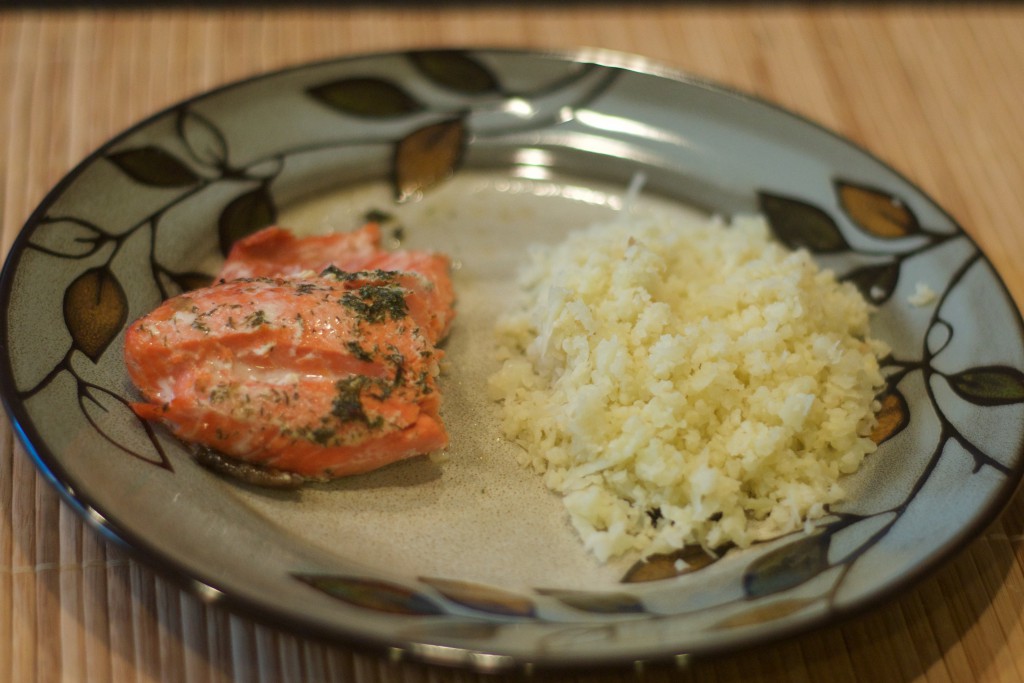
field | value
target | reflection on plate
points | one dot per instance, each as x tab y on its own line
466	559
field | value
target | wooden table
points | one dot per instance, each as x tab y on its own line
935	90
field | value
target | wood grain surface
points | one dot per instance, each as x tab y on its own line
935	90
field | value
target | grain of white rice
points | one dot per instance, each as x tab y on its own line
922	296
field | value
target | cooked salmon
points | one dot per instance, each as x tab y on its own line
277	252
321	375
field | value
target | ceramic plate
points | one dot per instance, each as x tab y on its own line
467	559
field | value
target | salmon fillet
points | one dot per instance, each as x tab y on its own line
318	375
276	252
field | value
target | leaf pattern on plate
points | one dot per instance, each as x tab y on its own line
427	156
876	212
95	311
101	407
876	283
994	385
154	166
204	141
483	598
764	613
800	225
788	566
596	602
455	70
244	215
366	97
69	238
659	567
372	594
892	417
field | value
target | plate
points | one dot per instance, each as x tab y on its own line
466	559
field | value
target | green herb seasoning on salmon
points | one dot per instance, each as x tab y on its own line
276	252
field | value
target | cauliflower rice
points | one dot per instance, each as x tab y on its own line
682	381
